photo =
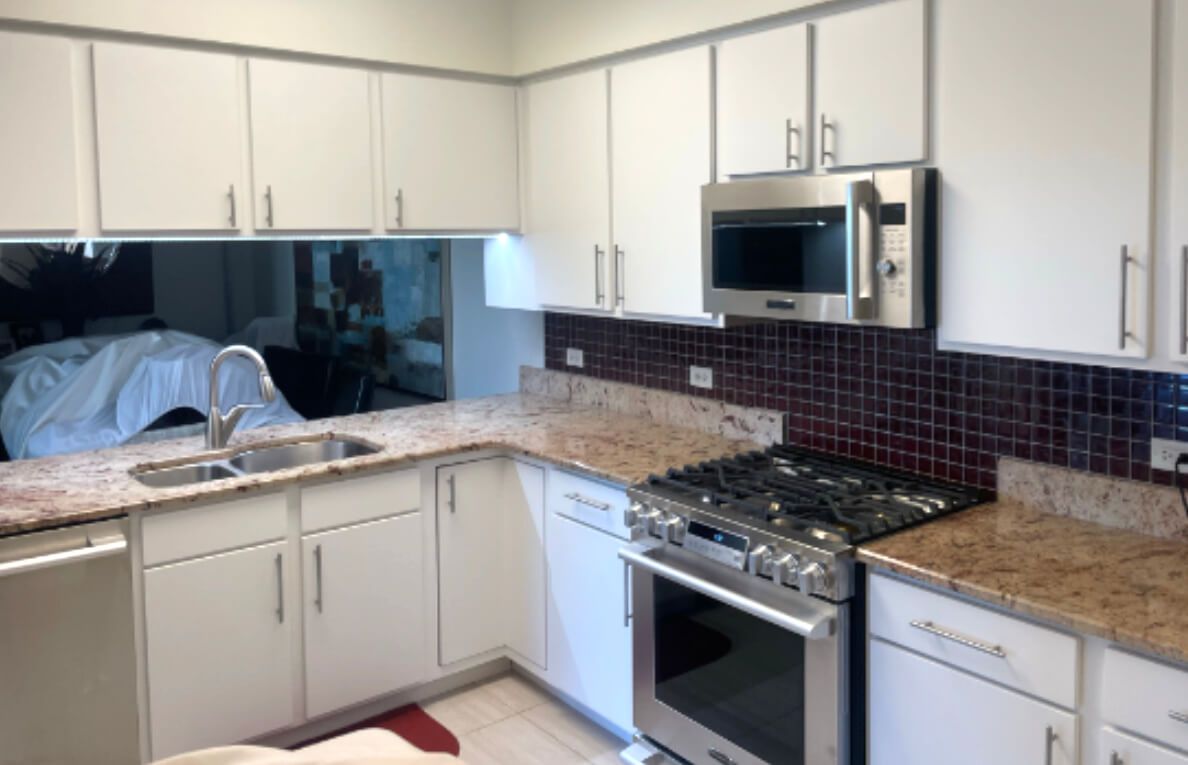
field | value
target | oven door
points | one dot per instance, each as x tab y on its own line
732	669
791	248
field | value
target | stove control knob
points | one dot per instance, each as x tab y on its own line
653	522
674	529
812	578
632	515
758	560
783	568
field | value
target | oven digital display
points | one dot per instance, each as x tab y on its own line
717	536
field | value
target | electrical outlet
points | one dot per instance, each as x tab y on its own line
1164	453
701	377
573	357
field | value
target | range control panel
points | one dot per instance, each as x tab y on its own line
717	545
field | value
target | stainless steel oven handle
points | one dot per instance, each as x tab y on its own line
809	621
860	256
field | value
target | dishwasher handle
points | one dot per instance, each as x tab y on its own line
110	544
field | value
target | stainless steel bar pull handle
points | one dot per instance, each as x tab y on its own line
575	497
860	231
1184	301
789	129
280	590
231	198
1123	334
621	276
453	500
1178	716
944	634
1050	738
318	577
825	125
268	208
399	208
598	291
1116	759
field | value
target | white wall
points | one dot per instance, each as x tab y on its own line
466	35
489	344
552	33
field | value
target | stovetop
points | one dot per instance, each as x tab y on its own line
794	492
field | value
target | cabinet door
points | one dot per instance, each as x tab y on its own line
525	596
1042	189
589	640
763	102
449	155
969	721
311	146
567	190
168	125
1177	280
219	641
870	73
660	149
471	589
364	612
1120	749
39	191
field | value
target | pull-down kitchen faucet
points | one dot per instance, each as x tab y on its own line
219	426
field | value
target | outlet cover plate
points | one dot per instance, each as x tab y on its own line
701	377
1164	452
574	357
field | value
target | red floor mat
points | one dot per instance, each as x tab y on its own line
411	723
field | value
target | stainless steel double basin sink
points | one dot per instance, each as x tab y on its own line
253	459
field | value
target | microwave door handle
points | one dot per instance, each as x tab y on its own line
860	298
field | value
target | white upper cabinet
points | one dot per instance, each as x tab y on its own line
1178	178
39	191
660	150
311	146
763	102
169	139
567	190
871	69
449	155
1045	194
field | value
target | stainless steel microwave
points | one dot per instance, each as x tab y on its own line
858	248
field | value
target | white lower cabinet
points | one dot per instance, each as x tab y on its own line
589	636
923	712
1120	749
220	648
364	612
491	565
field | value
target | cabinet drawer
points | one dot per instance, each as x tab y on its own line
593	503
1143	695
1015	653
359	499
1131	751
198	531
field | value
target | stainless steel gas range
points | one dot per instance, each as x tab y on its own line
749	610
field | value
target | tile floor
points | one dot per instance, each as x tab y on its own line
511	721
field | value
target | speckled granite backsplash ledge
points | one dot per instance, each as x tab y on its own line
889	396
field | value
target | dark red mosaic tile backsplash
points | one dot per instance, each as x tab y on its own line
889	396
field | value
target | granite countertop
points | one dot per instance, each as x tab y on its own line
56	491
1115	583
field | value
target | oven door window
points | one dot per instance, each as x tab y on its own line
736	675
797	251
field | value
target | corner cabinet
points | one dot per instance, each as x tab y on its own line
491	560
39	192
566	159
661	149
1046	196
870	85
311	146
169	133
449	155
